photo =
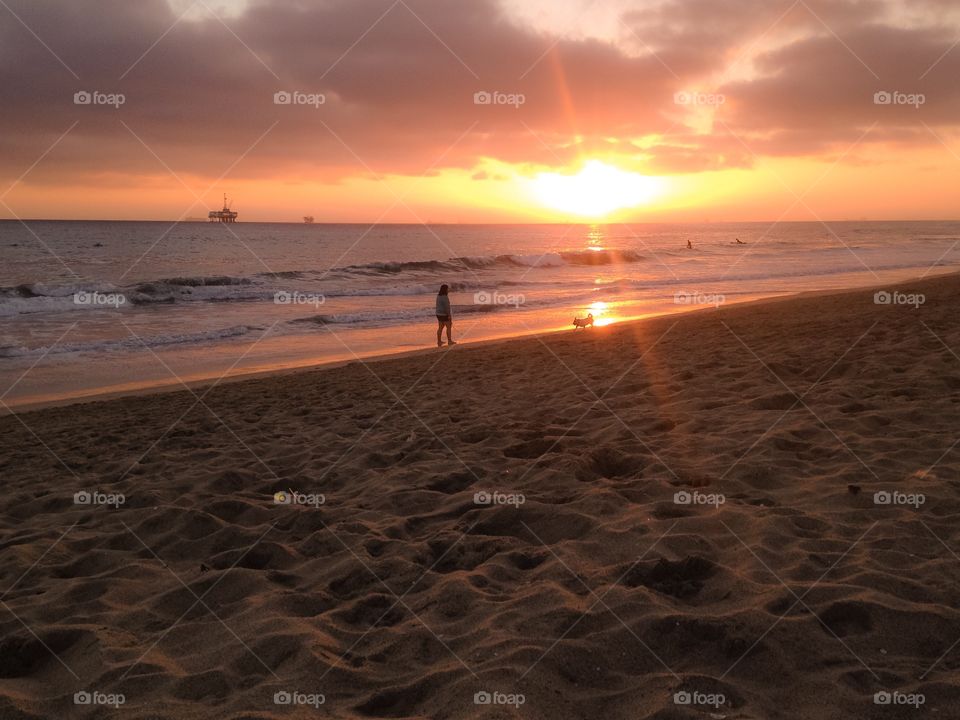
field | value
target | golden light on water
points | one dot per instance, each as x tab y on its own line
595	238
601	313
596	190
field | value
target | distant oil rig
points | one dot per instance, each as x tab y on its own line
223	216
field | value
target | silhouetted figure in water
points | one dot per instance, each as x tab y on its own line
740	242
444	316
689	245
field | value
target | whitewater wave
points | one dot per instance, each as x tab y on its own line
547	260
38	298
129	343
409	279
465	276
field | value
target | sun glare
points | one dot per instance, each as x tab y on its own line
595	191
599	310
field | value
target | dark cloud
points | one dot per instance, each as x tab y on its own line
816	93
399	87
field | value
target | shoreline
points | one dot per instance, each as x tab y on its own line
174	386
213	380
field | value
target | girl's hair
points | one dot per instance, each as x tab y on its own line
444	289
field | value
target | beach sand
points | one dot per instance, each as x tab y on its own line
587	588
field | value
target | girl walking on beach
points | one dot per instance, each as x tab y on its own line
444	315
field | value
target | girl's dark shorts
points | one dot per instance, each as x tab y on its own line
443	319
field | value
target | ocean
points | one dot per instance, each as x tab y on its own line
97	307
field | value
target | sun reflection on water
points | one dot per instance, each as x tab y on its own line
601	313
595	237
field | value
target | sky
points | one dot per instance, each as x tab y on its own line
480	110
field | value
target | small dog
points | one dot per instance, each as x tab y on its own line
583	322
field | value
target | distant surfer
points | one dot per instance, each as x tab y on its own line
444	316
689	245
740	242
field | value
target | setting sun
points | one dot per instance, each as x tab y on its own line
598	189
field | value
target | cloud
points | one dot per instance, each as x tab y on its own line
817	93
399	80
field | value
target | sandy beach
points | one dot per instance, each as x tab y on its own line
747	512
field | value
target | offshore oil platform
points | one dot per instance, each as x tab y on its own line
223	216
